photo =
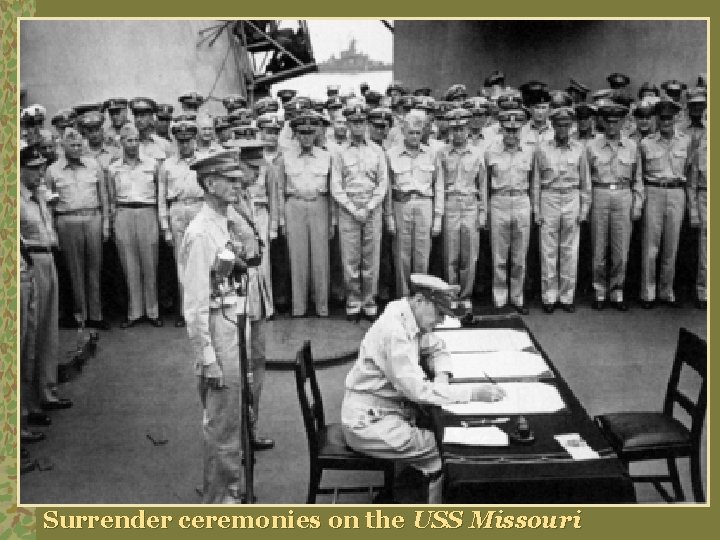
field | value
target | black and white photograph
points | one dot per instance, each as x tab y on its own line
363	261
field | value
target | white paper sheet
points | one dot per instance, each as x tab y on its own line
498	364
521	398
576	446
485	339
449	322
476	436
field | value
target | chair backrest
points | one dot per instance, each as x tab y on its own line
311	403
691	352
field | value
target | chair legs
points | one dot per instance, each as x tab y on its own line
696	477
675	479
314	484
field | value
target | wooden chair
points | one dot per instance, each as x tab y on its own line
640	436
328	450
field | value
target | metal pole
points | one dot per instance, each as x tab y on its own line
246	413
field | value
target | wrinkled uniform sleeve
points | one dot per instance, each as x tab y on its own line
404	372
197	257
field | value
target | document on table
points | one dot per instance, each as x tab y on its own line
449	322
485	339
476	436
576	446
498	365
520	398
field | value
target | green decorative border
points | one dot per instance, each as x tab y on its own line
14	522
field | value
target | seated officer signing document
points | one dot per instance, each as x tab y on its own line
387	382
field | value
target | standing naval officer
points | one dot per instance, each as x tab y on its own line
134	178
307	214
561	201
415	208
359	185
665	159
83	223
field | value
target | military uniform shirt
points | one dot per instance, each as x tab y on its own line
307	174
615	161
665	160
420	173
509	169
134	182
79	187
359	176
562	167
530	134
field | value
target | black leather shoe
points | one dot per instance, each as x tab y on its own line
129	323
180	322
38	419
620	306
157	323
548	308
671	303
701	304
262	443
56	404
598	305
102	324
29	437
567	308
353	317
647	304
522	310
26	466
370	318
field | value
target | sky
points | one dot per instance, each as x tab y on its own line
330	36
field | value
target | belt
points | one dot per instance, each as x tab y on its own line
612	185
135	205
305	198
560	190
667	185
405	196
463	195
81	212
39	249
508	192
187	200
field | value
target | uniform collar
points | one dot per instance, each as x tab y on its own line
361	143
302	152
464	150
546	126
405	149
63	162
567	144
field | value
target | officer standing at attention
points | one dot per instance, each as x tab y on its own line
83	223
536	96
36	231
151	145
179	195
561	201
697	204
465	205
387	383
308	216
509	165
617	200
415	208
135	179
359	186
665	160
209	302
90	125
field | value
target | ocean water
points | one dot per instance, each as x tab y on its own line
314	85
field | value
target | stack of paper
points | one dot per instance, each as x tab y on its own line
576	446
485	339
476	436
498	365
520	398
